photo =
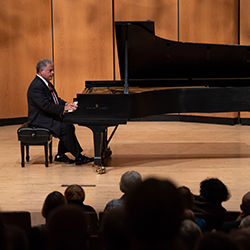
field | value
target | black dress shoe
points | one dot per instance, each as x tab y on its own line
63	158
82	159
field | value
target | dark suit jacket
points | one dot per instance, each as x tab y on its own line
42	110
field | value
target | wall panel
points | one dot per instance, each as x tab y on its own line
209	21
83	44
244	22
25	38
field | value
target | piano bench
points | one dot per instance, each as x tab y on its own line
29	136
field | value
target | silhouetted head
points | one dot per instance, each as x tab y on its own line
67	228
189	233
154	212
214	190
216	241
113	231
52	200
245	205
186	196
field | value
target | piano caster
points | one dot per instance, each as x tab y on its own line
100	169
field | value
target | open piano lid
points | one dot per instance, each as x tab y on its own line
152	57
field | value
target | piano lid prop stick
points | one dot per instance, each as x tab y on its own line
126	91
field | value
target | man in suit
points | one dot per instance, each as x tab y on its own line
245	212
45	109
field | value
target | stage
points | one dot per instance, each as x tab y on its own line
185	153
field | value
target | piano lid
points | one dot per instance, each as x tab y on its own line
152	57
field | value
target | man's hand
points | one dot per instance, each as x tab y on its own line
70	107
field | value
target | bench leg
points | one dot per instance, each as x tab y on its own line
50	151
22	155
46	154
27	152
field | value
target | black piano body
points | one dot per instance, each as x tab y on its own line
186	77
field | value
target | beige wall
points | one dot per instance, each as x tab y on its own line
83	42
209	21
25	37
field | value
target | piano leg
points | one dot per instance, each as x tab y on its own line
100	146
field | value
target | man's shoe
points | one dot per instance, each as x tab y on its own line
63	158
82	159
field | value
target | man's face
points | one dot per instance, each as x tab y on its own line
48	72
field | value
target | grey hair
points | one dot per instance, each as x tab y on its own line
129	181
245	222
42	64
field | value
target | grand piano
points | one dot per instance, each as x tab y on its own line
185	77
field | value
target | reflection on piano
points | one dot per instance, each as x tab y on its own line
186	77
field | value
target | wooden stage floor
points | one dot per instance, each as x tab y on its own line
185	153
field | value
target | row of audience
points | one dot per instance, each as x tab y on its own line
151	214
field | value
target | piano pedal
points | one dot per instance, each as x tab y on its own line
100	169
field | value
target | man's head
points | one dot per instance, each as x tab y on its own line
245	205
45	68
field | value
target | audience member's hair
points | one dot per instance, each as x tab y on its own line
113	232
67	228
245	222
216	241
74	193
129	181
52	200
189	233
154	212
214	190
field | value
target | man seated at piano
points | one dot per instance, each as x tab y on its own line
46	109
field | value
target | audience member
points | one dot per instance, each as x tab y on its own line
3	235
113	231
36	234
245	211
188	200
66	229
154	213
189	233
52	201
245	206
245	222
212	193
128	182
16	238
241	237
216	241
75	195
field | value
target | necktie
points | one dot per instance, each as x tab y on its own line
53	94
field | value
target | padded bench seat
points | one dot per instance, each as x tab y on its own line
29	136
